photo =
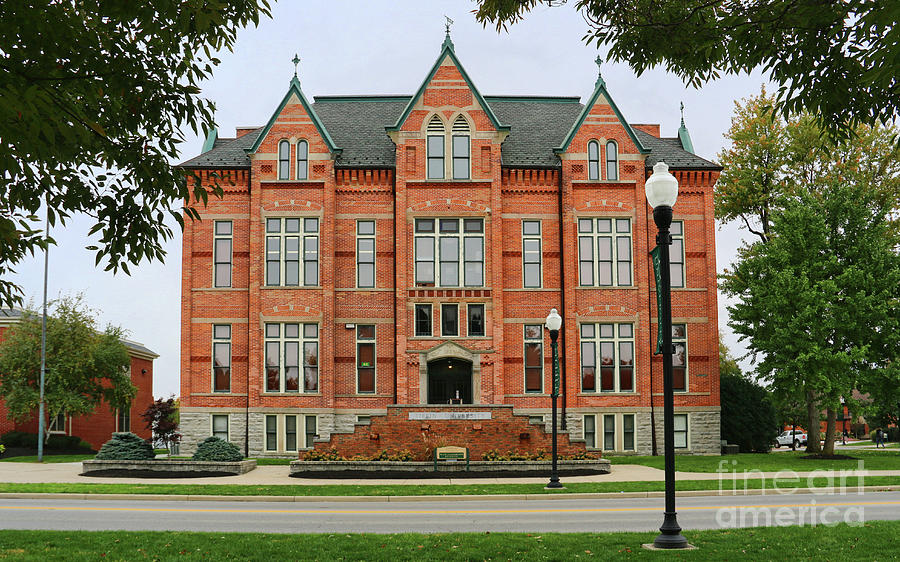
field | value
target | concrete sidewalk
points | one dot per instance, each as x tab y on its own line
14	472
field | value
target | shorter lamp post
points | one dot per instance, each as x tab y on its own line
662	191
554	322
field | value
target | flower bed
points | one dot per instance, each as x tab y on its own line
476	469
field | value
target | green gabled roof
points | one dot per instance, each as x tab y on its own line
295	89
447	50
600	88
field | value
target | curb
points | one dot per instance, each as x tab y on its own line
450	498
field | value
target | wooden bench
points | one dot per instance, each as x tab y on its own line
451	455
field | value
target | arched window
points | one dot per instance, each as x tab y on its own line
284	160
460	149
302	160
593	160
435	148
612	161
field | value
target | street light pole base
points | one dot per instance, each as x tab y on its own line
554	486
670	536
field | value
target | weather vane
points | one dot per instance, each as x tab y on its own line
599	61
447	25
296	61
682	114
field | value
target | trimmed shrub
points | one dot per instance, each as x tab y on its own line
23	440
748	416
217	449
126	446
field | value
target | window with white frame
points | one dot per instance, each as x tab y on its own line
609	347
590	431
287	345
475	323
219	426
310	431
612	161
221	357
222	246
679	358
302	160
609	432
676	254
459	259
531	253
435	148
123	419
57	423
534	358
449	320
292	251
628	432
423	320
461	149
604	252
365	253
593	160
281	433
681	431
284	160
365	358
617	431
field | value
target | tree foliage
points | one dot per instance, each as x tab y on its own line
835	60
161	418
84	366
94	97
748	415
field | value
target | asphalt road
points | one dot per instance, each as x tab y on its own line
643	514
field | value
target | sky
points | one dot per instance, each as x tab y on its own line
382	47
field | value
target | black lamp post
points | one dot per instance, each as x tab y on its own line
554	322
662	191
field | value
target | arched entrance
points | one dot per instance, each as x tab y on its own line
449	381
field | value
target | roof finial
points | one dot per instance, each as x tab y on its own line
600	81
296	61
447	42
682	114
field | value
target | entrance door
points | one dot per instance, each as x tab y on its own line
449	382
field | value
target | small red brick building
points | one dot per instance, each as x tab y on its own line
98	427
379	270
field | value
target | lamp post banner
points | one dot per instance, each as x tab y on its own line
654	253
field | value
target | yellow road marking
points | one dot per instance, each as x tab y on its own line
422	511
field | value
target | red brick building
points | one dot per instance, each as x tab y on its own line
98	427
379	269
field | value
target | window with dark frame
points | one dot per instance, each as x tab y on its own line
628	432
290	432
593	160
222	249
681	431
423	320
310	432
286	345
531	253
449	320
475	324
611	265
302	160
284	160
590	431
609	432
221	357
365	253
271	433
365	358
679	358
534	358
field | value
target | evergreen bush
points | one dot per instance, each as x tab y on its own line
217	449
126	446
748	415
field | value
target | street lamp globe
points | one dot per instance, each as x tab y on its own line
661	187
554	320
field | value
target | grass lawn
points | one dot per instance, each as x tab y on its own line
416	490
873	541
771	462
50	458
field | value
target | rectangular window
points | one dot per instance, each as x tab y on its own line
283	251
531	254
475	325
449	320
676	254
460	157
609	432
290	433
220	426
310	432
681	431
271	433
679	358
611	264
283	348
590	431
365	254
222	246
449	252
221	358
365	358
423	320
628	432
611	346
435	157
57	423
534	358
123	419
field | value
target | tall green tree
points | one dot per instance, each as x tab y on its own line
84	366
835	60
94	99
